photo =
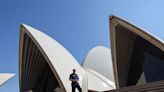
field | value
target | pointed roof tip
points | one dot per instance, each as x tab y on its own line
114	16
111	16
28	28
12	74
8	74
24	25
4	77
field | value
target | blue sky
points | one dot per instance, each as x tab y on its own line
78	25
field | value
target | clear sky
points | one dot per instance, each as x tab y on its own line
78	25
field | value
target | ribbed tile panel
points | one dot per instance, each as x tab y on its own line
34	64
124	48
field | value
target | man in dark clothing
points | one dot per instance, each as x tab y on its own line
74	78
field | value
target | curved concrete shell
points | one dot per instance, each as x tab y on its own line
136	57
136	54
97	82
44	64
98	62
4	77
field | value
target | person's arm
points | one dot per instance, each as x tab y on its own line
73	80
77	78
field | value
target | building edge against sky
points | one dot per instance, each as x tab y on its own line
41	55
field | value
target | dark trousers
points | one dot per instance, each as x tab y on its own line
74	86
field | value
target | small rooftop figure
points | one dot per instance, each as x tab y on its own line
74	79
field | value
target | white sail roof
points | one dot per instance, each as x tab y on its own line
56	56
4	77
98	63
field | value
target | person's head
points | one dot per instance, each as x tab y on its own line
74	70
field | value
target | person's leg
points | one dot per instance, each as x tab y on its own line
73	88
79	88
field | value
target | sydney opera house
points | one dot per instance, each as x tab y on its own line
135	60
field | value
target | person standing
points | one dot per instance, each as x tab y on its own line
74	79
